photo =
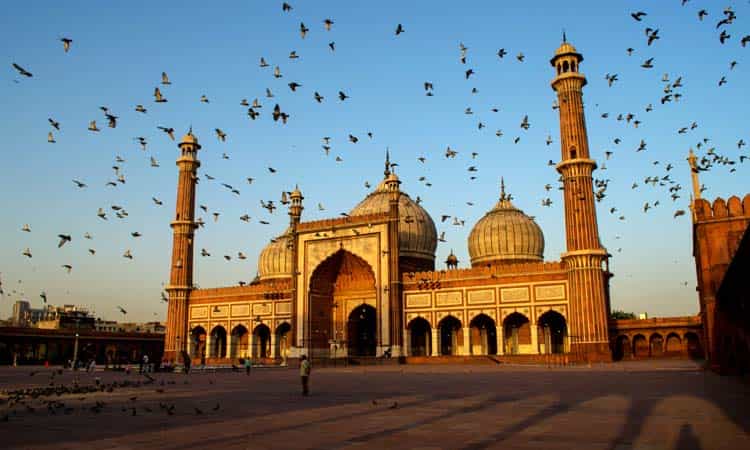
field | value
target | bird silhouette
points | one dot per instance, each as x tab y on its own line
22	71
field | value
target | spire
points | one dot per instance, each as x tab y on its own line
502	189
694	175
387	164
565	38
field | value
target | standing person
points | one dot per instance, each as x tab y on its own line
248	365
186	361
145	363
304	372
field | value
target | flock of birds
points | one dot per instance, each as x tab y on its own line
661	177
73	397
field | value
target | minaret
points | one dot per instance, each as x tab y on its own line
585	258
181	272
393	293
692	161
295	214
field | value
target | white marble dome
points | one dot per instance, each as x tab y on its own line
417	235
505	235
275	260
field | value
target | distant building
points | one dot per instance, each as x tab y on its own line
20	311
108	326
147	327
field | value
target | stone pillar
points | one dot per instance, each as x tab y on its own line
500	340
534	339
407	342
435	342
467	342
208	345
251	350
228	346
274	350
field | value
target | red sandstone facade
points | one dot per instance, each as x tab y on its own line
366	285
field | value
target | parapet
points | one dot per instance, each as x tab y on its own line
484	271
722	209
327	224
265	290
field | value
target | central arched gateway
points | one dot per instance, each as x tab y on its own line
339	282
361	331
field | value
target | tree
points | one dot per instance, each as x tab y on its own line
619	314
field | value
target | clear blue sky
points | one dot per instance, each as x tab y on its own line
121	48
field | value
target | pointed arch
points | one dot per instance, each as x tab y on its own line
420	337
340	277
482	335
218	342
450	336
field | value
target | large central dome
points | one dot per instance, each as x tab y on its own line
505	235
417	235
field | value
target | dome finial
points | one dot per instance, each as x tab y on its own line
502	188
565	38
387	171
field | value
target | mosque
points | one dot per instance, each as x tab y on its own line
366	284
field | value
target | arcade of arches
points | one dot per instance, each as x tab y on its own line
674	344
483	337
239	343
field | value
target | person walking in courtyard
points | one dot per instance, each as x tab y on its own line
304	372
248	365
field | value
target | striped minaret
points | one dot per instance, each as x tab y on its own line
585	259
183	230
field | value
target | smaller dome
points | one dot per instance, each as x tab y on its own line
565	48
296	193
451	260
275	260
189	138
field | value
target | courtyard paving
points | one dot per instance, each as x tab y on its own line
633	405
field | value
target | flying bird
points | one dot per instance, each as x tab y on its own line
66	43
169	131
399	29
64	238
22	71
158	98
220	135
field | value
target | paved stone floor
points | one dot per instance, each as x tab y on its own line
635	405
